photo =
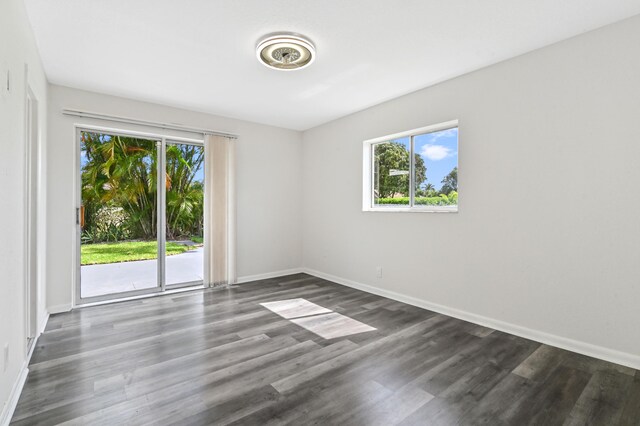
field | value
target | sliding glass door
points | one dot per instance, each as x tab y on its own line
140	217
184	214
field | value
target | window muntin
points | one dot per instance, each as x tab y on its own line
413	171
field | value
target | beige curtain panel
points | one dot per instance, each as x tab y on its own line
219	213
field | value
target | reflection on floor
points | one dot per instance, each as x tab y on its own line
321	321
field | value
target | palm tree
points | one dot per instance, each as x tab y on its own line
185	194
425	190
121	172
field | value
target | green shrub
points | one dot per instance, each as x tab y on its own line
397	200
107	224
441	200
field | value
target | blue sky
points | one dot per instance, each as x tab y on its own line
199	175
439	150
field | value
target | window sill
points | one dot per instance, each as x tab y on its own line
432	209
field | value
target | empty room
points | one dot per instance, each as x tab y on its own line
298	212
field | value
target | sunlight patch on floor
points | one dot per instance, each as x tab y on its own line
321	321
295	308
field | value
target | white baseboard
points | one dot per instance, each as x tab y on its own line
14	396
617	357
16	390
43	323
56	309
265	276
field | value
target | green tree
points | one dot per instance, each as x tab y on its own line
450	182
391	172
185	196
121	173
426	190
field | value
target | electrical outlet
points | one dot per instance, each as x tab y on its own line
5	362
379	271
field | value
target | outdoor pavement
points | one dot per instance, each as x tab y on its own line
98	280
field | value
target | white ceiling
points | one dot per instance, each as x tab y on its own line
200	54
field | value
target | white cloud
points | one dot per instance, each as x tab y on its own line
436	152
443	134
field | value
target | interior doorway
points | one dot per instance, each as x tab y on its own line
140	218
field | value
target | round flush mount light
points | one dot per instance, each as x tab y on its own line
286	51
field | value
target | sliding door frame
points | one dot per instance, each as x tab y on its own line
172	141
161	184
160	144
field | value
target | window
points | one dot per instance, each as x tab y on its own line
412	171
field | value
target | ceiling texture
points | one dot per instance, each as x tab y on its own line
200	54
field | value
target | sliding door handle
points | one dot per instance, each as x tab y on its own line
80	216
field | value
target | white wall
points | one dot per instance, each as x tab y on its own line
17	49
548	233
268	184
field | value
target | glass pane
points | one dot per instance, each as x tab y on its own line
436	168
185	213
391	172
119	247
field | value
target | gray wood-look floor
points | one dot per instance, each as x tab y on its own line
219	357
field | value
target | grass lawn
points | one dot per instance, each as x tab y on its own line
126	251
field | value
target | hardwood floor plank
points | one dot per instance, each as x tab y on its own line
454	402
603	400
631	411
550	402
498	402
234	410
290	383
393	409
160	399
323	408
540	364
216	356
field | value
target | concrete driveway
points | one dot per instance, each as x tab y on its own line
98	280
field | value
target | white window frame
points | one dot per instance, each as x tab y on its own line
367	171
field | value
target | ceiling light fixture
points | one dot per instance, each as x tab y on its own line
286	51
